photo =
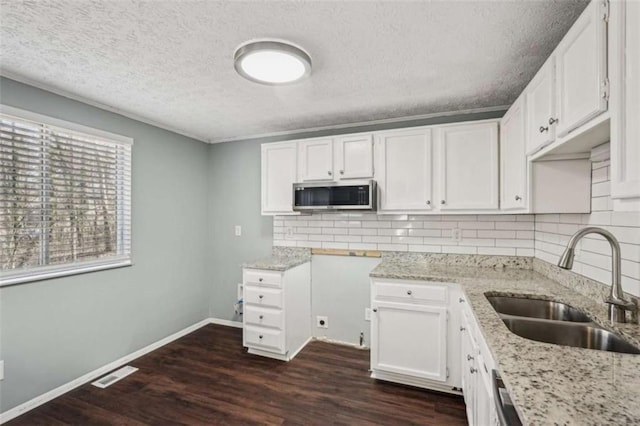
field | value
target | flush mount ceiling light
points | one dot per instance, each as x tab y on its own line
272	62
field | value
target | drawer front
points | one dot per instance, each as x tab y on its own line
263	278
267	297
265	317
406	292
264	338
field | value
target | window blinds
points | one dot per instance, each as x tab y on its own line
65	201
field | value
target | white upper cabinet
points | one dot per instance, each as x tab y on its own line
404	170
625	104
513	158
354	157
581	70
540	108
278	176
468	163
315	159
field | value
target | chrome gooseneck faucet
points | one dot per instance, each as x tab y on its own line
618	305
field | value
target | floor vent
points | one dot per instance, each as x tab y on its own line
114	376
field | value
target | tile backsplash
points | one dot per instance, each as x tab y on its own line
543	236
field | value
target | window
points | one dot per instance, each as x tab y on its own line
65	198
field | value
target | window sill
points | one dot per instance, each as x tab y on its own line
48	272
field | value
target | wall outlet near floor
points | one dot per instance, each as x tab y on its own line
238	230
367	314
456	234
322	322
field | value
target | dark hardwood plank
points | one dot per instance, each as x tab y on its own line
207	377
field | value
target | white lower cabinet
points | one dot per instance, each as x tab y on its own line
476	363
277	311
412	325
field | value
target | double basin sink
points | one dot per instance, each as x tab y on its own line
558	323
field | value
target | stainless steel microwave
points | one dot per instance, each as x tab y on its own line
342	195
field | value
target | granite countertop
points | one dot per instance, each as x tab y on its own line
549	384
281	259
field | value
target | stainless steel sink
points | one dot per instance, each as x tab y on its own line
587	336
536	308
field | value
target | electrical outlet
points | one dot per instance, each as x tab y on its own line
367	314
288	233
238	230
322	322
456	234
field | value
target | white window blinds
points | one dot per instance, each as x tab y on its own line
65	201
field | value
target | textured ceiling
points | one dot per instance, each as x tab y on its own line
171	62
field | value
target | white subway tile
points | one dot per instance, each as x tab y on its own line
278	229
598	218
277	223
368	239
460	218
601	189
300	237
393	217
425	233
630	285
429	224
295	223
284	243
525	218
361	246
483	242
313	218
631	269
310	244
377	224
600	204
348	238
626	219
547	218
318	237
469	233
459	250
529	252
497	251
625	234
392	247
278	236
324	223
421	248
523	226
406	224
363	231
496	218
407	240
422	217
347	224
363	216
439	241
393	232
525	235
335	231
334	245
600	175
307	230
496	234
514	243
477	225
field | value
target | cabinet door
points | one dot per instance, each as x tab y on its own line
540	107
468	354
484	395
278	176
316	159
403	171
354	157
469	167
513	159
410	339
581	70
625	100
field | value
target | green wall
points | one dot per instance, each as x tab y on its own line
54	331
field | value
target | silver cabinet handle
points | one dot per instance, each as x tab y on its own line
260	337
261	316
261	296
472	370
442	202
375	310
260	279
428	202
518	198
409	292
552	120
469	357
543	129
462	328
461	300
341	172
329	172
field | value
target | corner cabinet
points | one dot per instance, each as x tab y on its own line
413	332
625	104
513	159
277	311
540	107
278	175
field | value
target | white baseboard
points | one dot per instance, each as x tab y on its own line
339	342
54	393
228	323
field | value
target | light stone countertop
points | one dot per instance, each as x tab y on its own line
549	384
281	259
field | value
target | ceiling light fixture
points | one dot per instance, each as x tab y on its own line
272	62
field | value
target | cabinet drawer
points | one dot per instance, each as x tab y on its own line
260	277
264	338
385	290
263	316
267	297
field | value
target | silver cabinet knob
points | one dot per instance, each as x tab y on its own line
518	198
428	202
461	300
543	129
260	337
552	120
261	316
341	172
409	292
260	296
472	370
462	328
329	172
260	279
375	310
469	357
442	202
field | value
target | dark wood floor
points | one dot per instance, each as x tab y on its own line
207	378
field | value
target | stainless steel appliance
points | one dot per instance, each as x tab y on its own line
342	195
507	414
